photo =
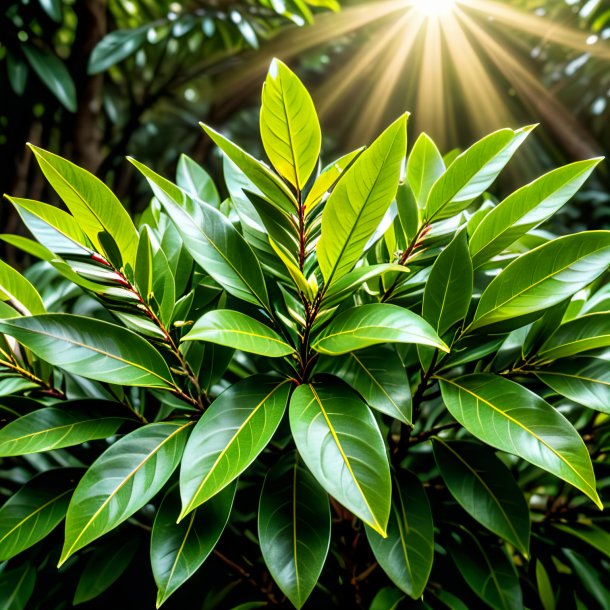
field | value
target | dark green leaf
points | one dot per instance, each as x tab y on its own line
115	47
16	587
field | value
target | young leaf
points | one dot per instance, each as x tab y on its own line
407	553
177	551
507	416
340	442
191	177
290	129
91	348
229	436
19	292
526	208
35	510
212	241
121	481
98	210
371	324
53	428
424	166
485	489
237	330
543	277
449	287
359	202
472	172
294	528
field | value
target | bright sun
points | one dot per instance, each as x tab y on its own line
434	8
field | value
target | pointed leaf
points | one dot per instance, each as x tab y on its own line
229	436
121	481
191	177
294	528
340	442
424	166
115	47
19	292
509	417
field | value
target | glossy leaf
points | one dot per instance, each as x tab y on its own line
367	325
16	586
19	292
115	47
507	416
378	376
191	177
177	551
121	481
485	489
53	428
211	240
237	330
407	553
294	528
35	510
449	287
526	208
360	200
290	129
544	277
424	166
91	348
229	436
340	442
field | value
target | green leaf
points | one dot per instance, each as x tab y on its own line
103	568
212	241
526	208
270	185
17	586
424	166
35	510
543	277
485	489
91	348
17	70
100	214
121	481
328	178
237	330
52	8
545	588
290	129
472	172
236	427
339	440
588	332
387	598
509	417
371	324
449	287
115	47
53	428
191	177
359	202
378	375
294	528
177	551
488	571
583	380
407	553
53	74
19	292
300	281
592	535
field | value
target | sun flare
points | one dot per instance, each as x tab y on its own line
434	9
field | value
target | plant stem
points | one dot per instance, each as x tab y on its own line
47	387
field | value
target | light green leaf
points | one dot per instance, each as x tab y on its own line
449	287
406	555
91	348
472	172
340	442
300	281
237	330
526	208
121	481
543	277
509	417
371	324
424	166
359	202
35	510
485	489
229	436
212	241
290	129
191	177
545	588
294	528
19	292
177	551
